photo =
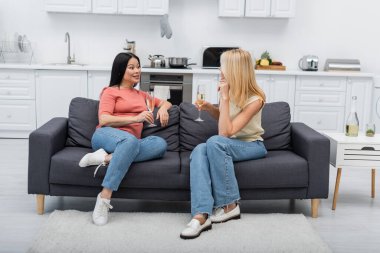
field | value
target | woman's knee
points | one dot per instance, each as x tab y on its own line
216	141
199	150
160	144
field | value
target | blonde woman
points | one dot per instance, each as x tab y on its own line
214	189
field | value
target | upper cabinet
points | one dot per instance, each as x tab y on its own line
145	7
79	6
130	7
257	8
104	6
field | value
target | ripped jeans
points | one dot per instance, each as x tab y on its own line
212	176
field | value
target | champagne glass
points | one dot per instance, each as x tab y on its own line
150	105
201	95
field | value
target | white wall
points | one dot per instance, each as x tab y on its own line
329	29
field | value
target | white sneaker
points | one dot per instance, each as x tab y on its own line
100	214
194	229
94	158
220	216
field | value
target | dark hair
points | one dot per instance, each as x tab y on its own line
119	66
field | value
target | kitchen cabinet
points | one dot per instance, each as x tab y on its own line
104	6
210	81
257	8
320	102
54	91
362	88
130	7
143	7
97	80
17	103
278	88
78	6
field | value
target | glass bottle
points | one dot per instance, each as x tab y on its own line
352	123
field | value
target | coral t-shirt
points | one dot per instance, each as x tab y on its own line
125	102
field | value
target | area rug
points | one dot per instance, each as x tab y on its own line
73	231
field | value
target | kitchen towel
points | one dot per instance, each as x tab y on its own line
162	92
166	30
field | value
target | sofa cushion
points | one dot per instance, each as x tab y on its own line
163	173
83	119
276	123
279	169
169	132
192	133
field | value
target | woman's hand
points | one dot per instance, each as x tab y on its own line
145	116
163	116
205	105
224	89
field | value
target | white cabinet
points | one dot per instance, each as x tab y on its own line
79	6
17	103
131	7
97	80
278	88
361	88
320	102
54	91
257	8
143	7
231	8
104	6
210	81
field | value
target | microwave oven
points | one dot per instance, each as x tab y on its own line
211	56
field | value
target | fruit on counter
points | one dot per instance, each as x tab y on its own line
264	62
265	59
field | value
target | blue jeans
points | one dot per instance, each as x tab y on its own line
125	149
212	177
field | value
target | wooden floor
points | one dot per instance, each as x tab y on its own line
353	227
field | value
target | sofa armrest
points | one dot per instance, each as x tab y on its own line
315	148
44	142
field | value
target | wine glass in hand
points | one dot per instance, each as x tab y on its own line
201	95
150	105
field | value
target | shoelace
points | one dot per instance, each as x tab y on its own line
97	168
103	210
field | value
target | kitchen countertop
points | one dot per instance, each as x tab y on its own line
193	70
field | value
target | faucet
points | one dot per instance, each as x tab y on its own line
69	59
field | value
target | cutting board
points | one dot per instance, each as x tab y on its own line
270	67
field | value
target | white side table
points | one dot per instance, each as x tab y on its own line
361	151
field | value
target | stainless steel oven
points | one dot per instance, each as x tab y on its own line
180	85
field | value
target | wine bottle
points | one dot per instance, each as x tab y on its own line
352	123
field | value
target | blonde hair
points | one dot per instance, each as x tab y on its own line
237	68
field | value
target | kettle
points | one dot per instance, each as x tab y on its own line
308	63
157	61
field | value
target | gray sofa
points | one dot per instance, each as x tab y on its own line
296	166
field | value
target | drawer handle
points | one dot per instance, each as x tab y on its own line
322	84
368	148
319	122
9	116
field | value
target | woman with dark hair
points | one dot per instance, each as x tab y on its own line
122	111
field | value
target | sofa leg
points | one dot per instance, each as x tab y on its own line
40	204
314	208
